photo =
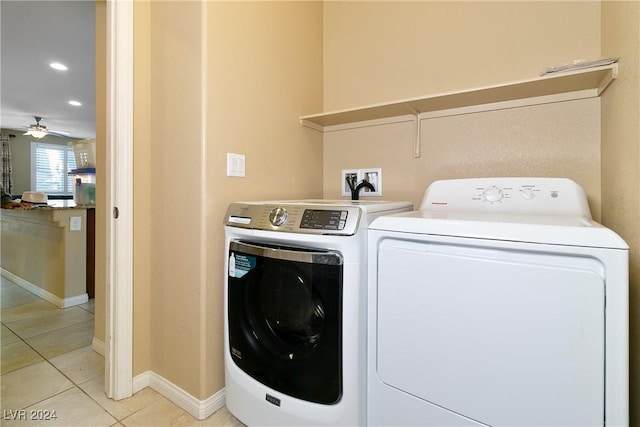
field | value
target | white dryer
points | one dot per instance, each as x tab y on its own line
500	302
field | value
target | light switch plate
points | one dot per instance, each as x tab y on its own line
75	223
235	165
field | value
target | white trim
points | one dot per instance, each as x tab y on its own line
199	409
311	125
119	188
76	300
97	346
505	105
557	87
515	103
141	381
44	294
363	124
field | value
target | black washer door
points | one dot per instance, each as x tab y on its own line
285	318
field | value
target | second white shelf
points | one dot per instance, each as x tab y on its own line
580	84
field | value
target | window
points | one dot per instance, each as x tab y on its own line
50	164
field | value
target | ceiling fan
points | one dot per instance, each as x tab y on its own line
39	131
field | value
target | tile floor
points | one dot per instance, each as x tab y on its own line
47	364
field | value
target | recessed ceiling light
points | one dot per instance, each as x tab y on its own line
75	103
58	66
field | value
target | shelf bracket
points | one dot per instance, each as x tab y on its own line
417	144
608	78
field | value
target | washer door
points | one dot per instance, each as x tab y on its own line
285	311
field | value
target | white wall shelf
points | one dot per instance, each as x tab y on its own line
565	86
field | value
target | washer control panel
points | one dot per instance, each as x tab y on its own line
295	218
544	196
324	219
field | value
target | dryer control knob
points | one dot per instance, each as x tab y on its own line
527	194
278	216
493	194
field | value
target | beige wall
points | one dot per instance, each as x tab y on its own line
176	164
621	159
388	50
382	51
561	139
141	189
221	77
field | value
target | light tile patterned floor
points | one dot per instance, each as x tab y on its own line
47	364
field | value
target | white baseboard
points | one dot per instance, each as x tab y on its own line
199	409
77	300
98	346
141	381
46	295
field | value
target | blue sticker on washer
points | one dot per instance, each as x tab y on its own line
240	264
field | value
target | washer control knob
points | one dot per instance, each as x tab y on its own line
278	216
493	194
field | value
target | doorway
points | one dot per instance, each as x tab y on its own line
119	200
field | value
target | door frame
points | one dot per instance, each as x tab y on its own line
119	201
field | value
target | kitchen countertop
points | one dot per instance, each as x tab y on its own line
55	204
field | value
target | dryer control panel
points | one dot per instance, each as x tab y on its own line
295	218
542	196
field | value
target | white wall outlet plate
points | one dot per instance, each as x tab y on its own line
373	175
355	173
75	223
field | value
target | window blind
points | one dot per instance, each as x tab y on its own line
50	166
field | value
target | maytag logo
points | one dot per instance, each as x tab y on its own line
272	399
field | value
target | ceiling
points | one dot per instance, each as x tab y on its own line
34	34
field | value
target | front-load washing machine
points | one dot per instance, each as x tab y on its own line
295	311
500	302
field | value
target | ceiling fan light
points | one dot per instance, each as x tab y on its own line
36	133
